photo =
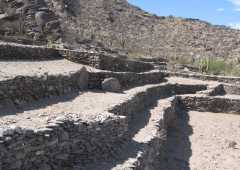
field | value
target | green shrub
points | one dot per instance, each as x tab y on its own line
212	66
216	66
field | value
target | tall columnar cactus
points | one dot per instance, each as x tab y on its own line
204	64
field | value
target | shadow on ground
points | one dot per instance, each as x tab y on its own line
177	150
130	149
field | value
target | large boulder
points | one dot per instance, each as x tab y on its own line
111	84
82	79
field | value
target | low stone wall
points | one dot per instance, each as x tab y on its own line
11	51
105	62
68	141
154	149
232	80
61	144
217	90
21	90
126	79
224	89
231	89
141	101
212	104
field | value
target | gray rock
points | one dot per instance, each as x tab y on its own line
41	18
82	80
111	84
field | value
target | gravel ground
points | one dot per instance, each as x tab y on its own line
204	141
89	106
10	69
215	141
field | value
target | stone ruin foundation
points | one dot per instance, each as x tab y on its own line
62	119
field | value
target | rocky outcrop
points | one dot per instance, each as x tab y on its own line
29	18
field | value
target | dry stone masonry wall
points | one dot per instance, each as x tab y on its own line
126	79
66	141
212	104
231	80
10	51
61	144
105	62
23	89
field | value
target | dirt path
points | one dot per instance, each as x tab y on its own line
204	141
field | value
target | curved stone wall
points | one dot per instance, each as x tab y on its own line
67	141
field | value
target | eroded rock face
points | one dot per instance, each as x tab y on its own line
111	84
29	19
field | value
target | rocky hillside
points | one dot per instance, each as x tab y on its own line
117	24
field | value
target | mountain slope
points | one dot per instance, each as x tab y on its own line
119	24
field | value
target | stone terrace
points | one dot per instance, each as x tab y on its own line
55	115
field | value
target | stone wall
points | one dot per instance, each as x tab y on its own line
106	62
154	150
231	89
61	144
212	104
233	80
10	51
21	90
217	90
13	51
142	101
127	79
224	89
68	141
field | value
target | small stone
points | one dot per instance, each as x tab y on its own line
232	144
39	153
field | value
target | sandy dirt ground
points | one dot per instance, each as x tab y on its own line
204	141
215	141
88	106
10	69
